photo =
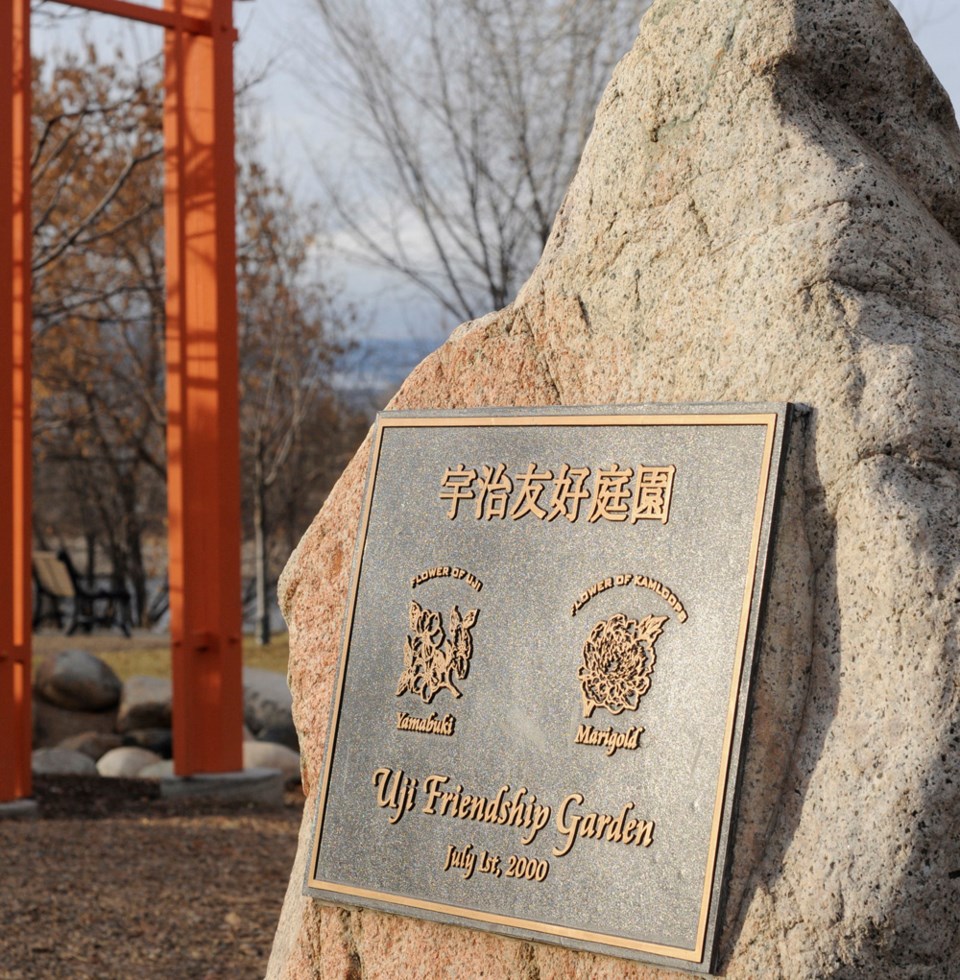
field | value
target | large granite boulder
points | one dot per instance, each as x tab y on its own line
78	681
768	209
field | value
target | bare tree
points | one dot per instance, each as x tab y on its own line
468	118
290	336
99	318
98	309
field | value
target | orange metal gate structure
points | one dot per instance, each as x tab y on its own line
203	470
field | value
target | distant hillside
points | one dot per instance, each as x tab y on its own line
369	375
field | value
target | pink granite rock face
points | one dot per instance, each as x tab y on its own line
767	210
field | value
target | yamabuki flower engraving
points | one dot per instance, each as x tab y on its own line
431	659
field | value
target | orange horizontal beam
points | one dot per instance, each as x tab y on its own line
148	15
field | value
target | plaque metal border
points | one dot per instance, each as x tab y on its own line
775	418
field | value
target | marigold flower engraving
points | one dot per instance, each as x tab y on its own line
618	659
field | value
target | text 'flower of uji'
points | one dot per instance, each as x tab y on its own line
618	659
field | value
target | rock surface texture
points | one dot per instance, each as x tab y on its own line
768	209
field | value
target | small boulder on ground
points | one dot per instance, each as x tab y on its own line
62	762
78	681
145	703
281	735
51	725
269	755
267	701
126	761
159	740
157	770
92	744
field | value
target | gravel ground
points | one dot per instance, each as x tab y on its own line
111	882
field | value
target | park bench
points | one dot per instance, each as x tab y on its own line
56	581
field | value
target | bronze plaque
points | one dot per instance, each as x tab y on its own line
543	680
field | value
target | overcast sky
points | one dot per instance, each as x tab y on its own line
271	34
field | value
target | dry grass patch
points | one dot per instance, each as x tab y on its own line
149	653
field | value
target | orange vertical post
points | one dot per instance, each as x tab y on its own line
203	469
15	505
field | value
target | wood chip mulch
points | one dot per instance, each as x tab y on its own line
109	881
